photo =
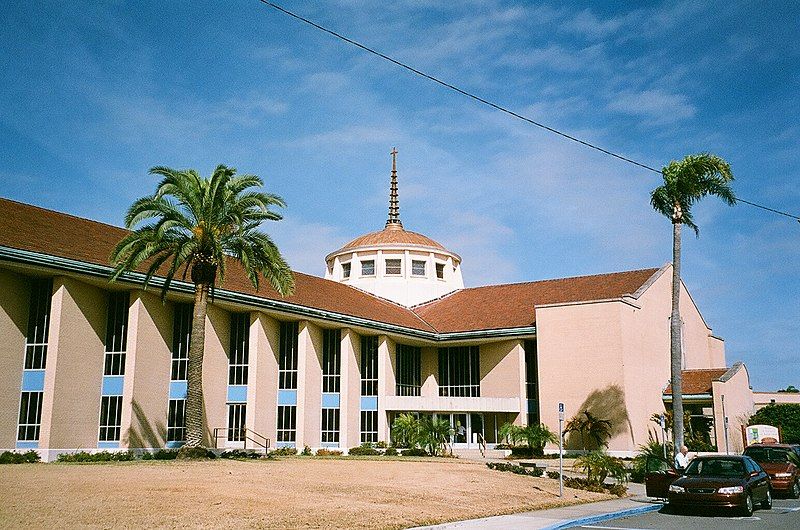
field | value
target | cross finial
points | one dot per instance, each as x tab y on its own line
393	222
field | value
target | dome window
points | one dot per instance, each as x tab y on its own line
346	270
368	268
440	271
394	267
417	268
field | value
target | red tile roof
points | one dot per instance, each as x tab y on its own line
698	381
512	305
392	235
506	306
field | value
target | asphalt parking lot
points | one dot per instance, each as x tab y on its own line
784	514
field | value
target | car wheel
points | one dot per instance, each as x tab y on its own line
767	502
796	489
747	509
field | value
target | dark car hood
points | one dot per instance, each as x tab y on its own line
688	481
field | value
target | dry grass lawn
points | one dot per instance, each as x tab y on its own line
283	493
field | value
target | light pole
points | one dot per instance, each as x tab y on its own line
560	449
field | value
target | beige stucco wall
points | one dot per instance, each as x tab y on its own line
215	371
262	389
148	363
429	371
309	385
739	406
762	399
350	395
14	303
501	370
74	373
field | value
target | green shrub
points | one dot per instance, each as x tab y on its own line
306	451
784	415
328	452
165	454
147	456
516	469
583	484
391	451
381	445
415	451
195	453
553	474
363	450
283	451
12	457
239	454
102	456
599	465
521	451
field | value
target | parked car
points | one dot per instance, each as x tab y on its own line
720	481
781	462
659	474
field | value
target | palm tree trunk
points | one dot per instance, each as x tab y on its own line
194	397
676	358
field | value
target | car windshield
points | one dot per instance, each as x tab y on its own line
716	468
768	454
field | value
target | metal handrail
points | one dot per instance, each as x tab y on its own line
249	434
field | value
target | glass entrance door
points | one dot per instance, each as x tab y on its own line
460	426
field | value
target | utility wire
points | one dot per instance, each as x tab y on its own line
491	104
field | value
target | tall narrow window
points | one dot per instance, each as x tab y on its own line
35	361
113	369
240	349
331	384
287	384
181	341
459	371
440	271
409	370
369	389
532	381
346	270
237	417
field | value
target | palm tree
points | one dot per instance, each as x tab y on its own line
537	436
586	423
197	224
686	182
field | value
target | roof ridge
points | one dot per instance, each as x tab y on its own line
379	298
563	278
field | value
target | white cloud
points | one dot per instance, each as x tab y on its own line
656	105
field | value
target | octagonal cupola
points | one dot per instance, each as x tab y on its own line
394	263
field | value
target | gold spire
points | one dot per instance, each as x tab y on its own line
393	222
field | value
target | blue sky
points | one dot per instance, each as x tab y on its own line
95	93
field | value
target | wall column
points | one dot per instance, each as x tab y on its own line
350	395
309	385
386	383
262	389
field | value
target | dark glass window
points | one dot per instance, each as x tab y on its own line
346	270
287	356
409	370
369	366
240	349
38	324
369	426
532	381
176	420
30	416
440	271
368	268
237	417
459	371
394	267
330	425
331	360
116	333
287	424
110	418
181	339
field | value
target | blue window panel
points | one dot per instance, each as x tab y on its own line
284	444
330	401
334	445
33	380
175	445
369	403
178	389
28	445
108	445
112	385
287	397
533	406
237	393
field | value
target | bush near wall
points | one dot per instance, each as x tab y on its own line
11	457
240	454
102	456
516	469
283	451
161	454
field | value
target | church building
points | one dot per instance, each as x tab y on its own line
89	365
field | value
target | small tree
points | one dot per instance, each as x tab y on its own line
406	431
587	424
511	433
434	434
599	465
537	436
784	415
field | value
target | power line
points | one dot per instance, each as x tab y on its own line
491	104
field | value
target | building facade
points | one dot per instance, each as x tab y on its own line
86	364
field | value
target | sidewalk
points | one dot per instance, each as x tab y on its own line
565	517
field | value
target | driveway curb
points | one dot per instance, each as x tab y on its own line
605	517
